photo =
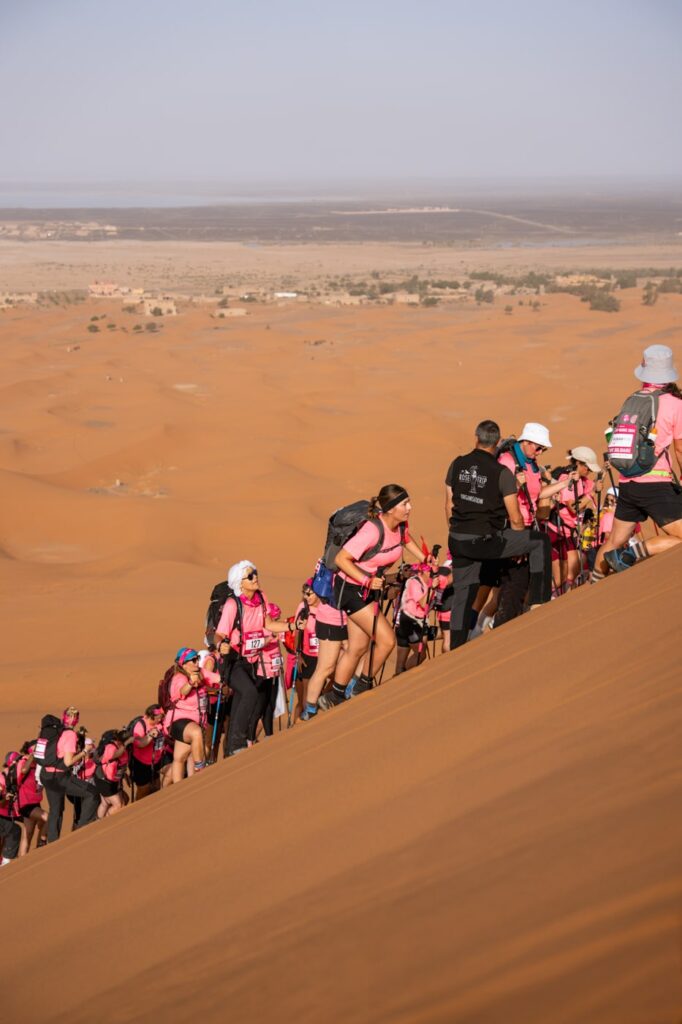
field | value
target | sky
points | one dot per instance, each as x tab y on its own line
270	91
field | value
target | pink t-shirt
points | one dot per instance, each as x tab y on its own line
113	767
414	592
533	483
366	538
66	744
605	524
87	768
154	749
193	706
310	645
272	655
328	616
585	487
210	677
255	635
29	790
668	429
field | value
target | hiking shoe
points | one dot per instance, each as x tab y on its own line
620	559
307	714
362	685
331	698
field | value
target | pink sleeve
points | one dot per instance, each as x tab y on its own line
210	678
229	614
365	538
507	459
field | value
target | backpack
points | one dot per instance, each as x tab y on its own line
45	753
344	524
219	596
164	697
110	736
11	788
632	444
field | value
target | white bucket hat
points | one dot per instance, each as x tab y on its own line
537	433
657	366
584	454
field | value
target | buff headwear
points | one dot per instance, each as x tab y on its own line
185	654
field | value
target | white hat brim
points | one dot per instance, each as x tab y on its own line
650	376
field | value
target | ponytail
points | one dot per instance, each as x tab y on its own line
374	510
672	389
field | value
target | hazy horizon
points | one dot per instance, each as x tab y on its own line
216	93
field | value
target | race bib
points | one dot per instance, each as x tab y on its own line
276	661
622	444
203	702
254	641
314	643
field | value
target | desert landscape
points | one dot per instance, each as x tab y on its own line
485	845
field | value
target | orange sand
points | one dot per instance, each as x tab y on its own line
491	848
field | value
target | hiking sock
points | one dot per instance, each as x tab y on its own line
309	711
639	549
199	766
337	695
597	576
4	862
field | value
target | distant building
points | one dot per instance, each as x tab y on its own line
405	299
225	313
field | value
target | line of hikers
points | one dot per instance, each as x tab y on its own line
519	535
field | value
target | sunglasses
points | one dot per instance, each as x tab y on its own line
253	575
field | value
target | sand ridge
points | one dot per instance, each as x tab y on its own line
487	844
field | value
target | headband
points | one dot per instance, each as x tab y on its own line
392	502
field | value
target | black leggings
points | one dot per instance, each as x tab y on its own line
245	701
265	708
470	552
59	785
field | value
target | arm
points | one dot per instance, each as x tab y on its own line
511	503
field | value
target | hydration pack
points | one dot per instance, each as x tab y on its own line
11	791
164	697
45	753
632	444
344	524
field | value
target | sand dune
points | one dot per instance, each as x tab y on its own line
473	842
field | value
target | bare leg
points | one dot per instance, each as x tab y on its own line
328	655
359	632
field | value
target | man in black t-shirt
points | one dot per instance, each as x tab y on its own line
485	524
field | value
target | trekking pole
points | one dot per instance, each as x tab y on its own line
377	609
429	600
216	720
607	467
294	676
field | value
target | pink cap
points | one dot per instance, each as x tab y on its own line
13	756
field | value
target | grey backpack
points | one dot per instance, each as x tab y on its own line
632	444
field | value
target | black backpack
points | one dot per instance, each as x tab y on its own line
632	449
344	524
11	788
107	737
45	753
219	596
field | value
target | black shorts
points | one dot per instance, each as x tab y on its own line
409	631
351	597
308	665
178	727
323	631
106	788
26	811
639	502
143	774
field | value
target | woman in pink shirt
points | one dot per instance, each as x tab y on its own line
241	635
112	764
30	799
268	688
148	764
358	587
186	717
411	620
655	495
444	601
305	621
331	634
571	495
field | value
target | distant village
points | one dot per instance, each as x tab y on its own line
600	288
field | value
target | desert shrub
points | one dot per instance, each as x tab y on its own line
649	294
602	300
93	328
429	300
509	309
484	295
